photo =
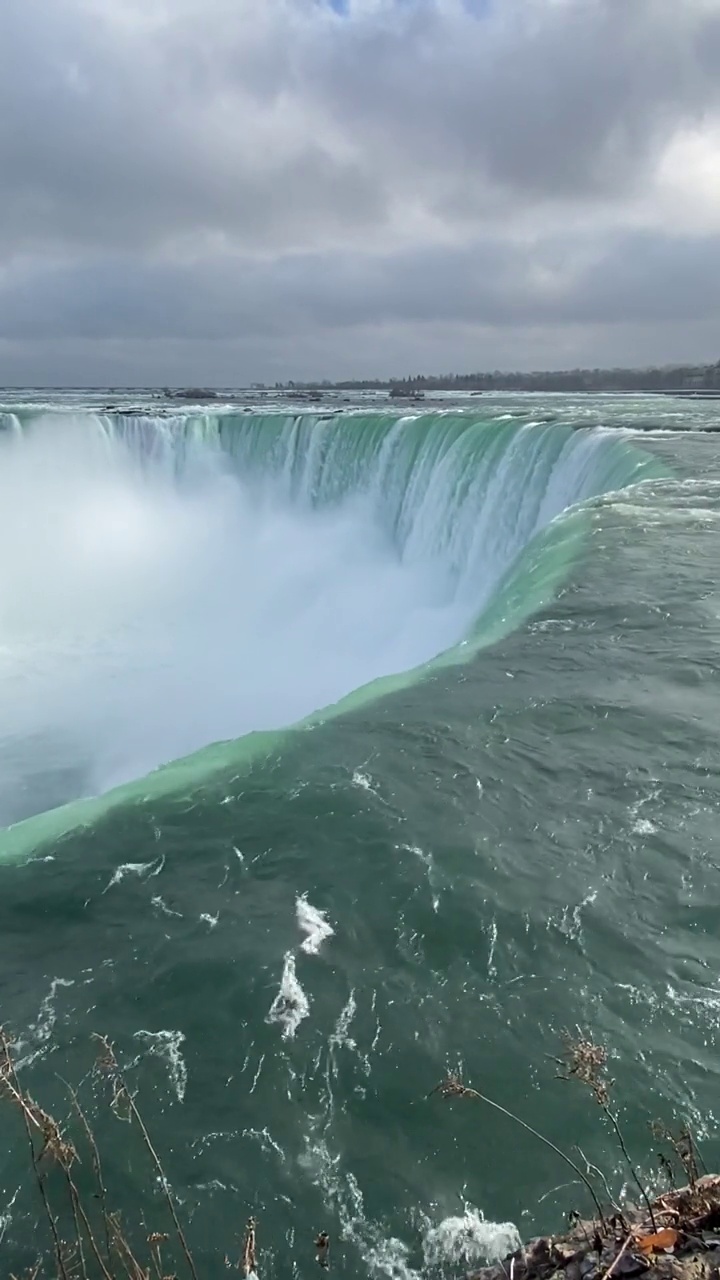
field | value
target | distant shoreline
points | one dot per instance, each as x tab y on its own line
686	380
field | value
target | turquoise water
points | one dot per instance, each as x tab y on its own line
445	684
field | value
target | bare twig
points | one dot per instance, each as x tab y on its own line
30	1274
453	1087
554	1190
124	1253
63	1152
587	1062
32	1115
696	1151
685	1148
96	1164
155	1241
110	1064
78	1210
82	1258
618	1133
592	1168
74	1201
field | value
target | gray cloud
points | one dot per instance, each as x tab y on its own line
639	277
197	173
544	99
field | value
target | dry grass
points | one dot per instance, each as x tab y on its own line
89	1239
586	1062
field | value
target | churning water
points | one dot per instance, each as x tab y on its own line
435	703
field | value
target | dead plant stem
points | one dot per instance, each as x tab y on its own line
153	1153
474	1093
618	1133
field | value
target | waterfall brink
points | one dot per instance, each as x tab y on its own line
173	582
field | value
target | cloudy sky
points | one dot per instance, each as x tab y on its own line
220	191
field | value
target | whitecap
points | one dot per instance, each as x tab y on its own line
340	1035
41	1030
469	1239
290	1005
313	923
143	870
166	1045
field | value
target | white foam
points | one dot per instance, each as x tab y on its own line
340	1035
640	825
161	905
143	870
166	1045
467	1240
290	1005
40	1032
432	875
266	1141
313	923
571	919
644	827
451	1242
6	1216
493	931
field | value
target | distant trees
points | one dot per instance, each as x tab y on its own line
681	377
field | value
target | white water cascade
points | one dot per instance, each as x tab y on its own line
167	583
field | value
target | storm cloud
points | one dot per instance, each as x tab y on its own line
226	190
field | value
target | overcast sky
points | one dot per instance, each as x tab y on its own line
219	191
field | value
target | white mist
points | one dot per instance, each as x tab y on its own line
145	614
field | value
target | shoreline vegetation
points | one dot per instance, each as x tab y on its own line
670	1234
673	379
686	381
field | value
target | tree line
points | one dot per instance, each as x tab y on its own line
679	377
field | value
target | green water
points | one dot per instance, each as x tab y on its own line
519	838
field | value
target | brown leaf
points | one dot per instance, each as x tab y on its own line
660	1241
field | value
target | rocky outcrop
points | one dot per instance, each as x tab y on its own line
681	1242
